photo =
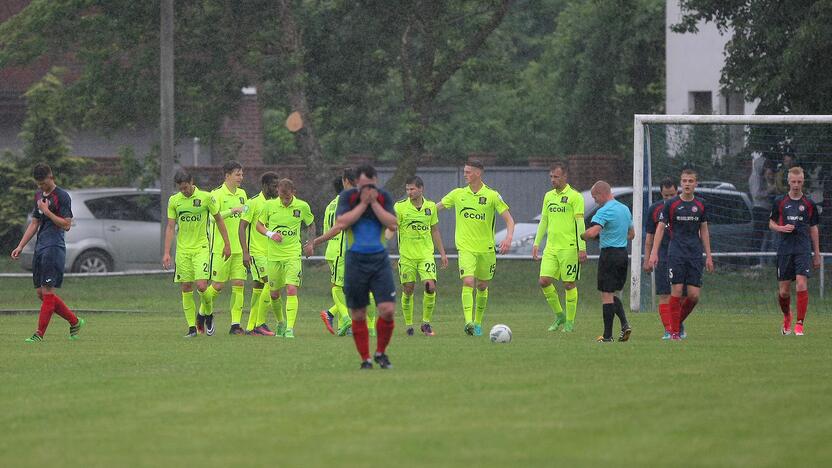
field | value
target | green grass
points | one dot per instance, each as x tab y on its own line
132	392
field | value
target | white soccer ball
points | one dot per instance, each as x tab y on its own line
500	333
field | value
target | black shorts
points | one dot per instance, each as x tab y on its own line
686	270
365	274
612	269
791	265
662	277
48	267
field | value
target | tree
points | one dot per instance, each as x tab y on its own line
776	52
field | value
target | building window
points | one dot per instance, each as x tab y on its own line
700	103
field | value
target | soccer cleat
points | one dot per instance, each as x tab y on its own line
327	318
666	335
281	329
289	333
601	339
625	333
254	332
798	329
569	326
409	331
382	360
74	329
236	330
682	333
560	319
477	329
200	324
191	333
469	328
427	330
265	330
675	337
366	365
787	325
345	329
209	325
35	338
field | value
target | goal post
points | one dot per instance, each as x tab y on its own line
642	183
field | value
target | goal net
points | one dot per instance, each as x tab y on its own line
742	162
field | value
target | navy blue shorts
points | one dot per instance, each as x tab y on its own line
686	270
789	266
48	267
662	277
365	274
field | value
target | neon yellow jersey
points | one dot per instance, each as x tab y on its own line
225	201
192	216
257	243
335	246
415	224
287	220
475	217
562	220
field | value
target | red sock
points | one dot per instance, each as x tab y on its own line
675	314
687	307
47	307
62	310
361	336
802	305
784	303
384	330
664	314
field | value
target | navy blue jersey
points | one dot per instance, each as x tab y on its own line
684	218
654	214
802	213
367	234
50	235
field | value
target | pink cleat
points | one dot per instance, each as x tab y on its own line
798	329
264	331
675	337
787	325
327	319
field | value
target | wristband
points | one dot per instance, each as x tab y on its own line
269	234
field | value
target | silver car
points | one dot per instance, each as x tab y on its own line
112	229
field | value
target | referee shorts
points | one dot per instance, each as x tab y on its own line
612	269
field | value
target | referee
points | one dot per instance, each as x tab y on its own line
614	223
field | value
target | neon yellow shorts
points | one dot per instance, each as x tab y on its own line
224	269
336	271
480	265
561	265
258	268
283	272
191	265
411	270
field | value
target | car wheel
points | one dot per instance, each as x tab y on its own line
93	261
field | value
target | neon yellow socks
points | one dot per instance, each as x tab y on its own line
341	303
189	307
551	295
482	301
571	304
468	303
428	304
407	308
206	306
291	311
254	309
237	299
371	315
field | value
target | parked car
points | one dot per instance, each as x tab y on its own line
112	229
730	220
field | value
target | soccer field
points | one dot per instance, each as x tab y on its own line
132	392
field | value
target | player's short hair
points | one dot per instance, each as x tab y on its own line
476	163
667	182
182	176
349	175
367	170
286	184
269	178
560	165
231	166
415	180
41	171
796	170
338	185
690	172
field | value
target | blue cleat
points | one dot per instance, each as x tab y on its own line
682	333
477	330
666	335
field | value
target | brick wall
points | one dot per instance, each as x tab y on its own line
243	132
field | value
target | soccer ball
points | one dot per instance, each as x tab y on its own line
500	333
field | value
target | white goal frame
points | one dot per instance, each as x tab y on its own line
639	121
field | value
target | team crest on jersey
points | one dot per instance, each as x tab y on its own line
564	199
242	201
694	209
427	211
197	202
483	200
296	213
801	208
